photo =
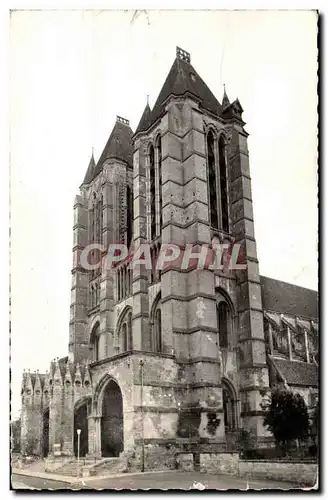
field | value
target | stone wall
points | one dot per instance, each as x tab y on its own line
219	463
300	473
156	457
185	461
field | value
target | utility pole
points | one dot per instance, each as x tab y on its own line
142	419
78	431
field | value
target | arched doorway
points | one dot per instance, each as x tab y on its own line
45	433
112	421
81	422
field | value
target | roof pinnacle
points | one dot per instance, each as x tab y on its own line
225	99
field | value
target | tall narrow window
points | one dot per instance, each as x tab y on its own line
91	296
158	330
125	337
96	347
214	221
94	216
100	228
124	332
159	157
229	409
118	275
130	341
223	323
152	194
97	230
129	215
223	186
96	343
93	231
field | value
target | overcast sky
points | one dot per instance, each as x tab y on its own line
72	72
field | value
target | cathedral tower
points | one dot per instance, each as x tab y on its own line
192	182
174	355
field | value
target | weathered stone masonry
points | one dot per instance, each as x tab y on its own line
177	359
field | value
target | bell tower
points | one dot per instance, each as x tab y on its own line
195	192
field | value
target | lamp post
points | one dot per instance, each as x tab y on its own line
142	419
78	431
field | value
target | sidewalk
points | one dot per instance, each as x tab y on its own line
81	480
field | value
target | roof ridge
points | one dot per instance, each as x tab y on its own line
90	169
287	283
118	145
181	79
144	122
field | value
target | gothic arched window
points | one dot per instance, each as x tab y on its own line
217	182
130	341
152	193
223	186
156	324
159	184
129	221
97	341
223	312
229	408
93	219
100	223
224	322
158	330
212	185
124	332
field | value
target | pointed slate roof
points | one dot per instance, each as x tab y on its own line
119	145
291	299
89	173
296	372
225	99
182	79
233	110
145	120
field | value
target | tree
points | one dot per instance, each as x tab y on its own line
286	416
315	424
15	435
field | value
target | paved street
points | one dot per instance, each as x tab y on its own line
165	480
19	482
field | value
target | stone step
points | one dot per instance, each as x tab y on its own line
36	466
70	468
105	466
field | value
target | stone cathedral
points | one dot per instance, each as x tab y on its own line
162	359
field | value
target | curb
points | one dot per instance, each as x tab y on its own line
127	474
86	480
45	475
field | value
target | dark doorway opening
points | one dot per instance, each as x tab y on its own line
45	434
112	421
81	422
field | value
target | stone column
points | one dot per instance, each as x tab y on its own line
68	420
56	409
107	284
94	436
252	357
140	317
78	335
188	295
